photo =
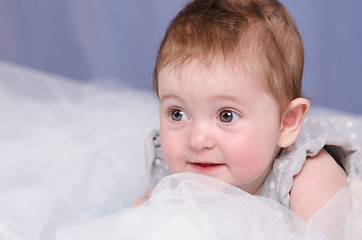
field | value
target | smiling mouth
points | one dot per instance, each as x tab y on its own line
207	164
206	167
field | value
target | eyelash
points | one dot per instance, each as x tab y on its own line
233	115
171	110
179	118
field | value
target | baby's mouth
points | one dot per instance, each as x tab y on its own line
206	166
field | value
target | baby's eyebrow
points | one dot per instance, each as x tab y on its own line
169	97
227	97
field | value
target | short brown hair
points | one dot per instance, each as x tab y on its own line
205	29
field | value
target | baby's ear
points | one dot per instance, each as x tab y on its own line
292	121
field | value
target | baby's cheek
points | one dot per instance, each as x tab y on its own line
249	155
241	152
167	149
170	151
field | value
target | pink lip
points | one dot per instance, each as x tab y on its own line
206	167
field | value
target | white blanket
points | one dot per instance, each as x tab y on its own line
71	163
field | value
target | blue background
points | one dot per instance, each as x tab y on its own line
118	40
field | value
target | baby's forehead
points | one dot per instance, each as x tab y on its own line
228	68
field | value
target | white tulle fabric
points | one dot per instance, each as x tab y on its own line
71	163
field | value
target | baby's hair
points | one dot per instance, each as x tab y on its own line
260	34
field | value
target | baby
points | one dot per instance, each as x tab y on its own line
229	77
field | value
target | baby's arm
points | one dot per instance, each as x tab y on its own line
320	178
139	201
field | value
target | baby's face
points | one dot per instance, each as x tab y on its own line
219	122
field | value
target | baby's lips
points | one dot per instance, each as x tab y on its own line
208	164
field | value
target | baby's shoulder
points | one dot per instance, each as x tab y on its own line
317	182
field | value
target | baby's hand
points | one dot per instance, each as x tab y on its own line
139	201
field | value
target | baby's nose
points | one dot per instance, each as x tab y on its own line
201	137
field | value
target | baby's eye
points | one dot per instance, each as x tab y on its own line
228	116
178	115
